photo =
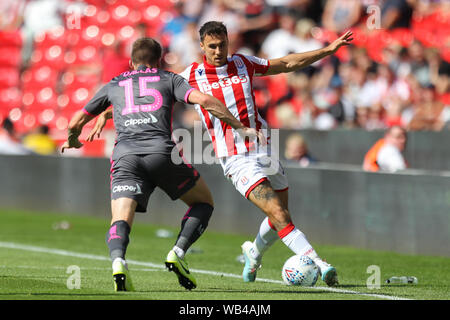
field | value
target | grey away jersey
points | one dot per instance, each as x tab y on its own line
142	109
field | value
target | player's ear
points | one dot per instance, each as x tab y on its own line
130	63
202	46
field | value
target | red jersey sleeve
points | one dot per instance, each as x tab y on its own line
260	65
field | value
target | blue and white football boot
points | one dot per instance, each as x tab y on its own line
252	264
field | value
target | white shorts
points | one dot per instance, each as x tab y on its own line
246	171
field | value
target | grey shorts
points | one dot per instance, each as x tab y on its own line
135	176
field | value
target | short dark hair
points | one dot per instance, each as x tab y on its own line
146	51
212	28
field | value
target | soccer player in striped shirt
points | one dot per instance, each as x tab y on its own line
246	163
254	173
142	102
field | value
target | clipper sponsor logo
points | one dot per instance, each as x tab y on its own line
224	82
134	122
134	188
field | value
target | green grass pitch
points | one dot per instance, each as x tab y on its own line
34	262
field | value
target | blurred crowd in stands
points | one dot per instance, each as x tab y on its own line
55	54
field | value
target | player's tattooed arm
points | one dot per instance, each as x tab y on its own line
74	130
100	124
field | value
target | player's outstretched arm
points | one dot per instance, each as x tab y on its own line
74	129
220	111
100	124
296	61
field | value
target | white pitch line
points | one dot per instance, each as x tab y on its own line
65	268
12	245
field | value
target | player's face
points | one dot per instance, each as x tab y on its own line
215	48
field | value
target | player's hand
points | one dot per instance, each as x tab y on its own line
71	144
98	128
252	133
343	40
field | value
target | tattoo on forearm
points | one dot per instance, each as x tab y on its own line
264	192
73	134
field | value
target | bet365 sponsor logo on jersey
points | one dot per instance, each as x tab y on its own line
224	82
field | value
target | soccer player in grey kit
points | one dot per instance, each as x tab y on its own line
142	102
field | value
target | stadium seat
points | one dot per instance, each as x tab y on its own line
95	148
120	15
359	37
23	122
52	56
78	97
39	98
56	36
11	38
87	80
140	4
126	32
90	35
445	54
100	18
33	118
83	56
39	77
403	36
150	16
97	3
60	123
10	57
10	98
9	77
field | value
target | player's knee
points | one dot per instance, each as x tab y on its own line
204	212
201	212
208	199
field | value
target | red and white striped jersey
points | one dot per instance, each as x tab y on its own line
232	85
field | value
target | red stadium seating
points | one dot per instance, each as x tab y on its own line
39	98
10	98
51	56
56	36
9	77
73	81
10	57
39	77
23	121
121	15
403	36
65	64
78	97
11	38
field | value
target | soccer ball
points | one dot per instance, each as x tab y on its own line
300	270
